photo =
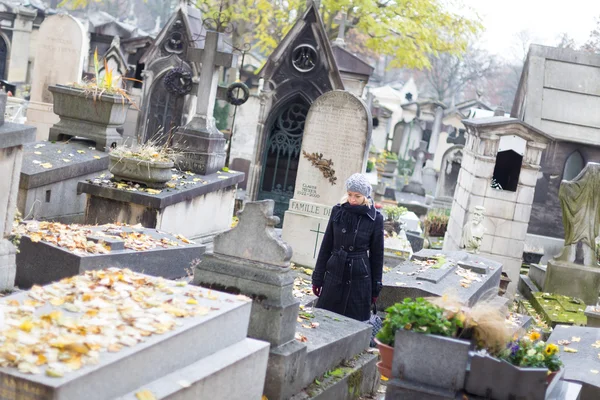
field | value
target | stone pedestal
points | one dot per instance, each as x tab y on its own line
506	211
203	153
573	280
179	209
49	177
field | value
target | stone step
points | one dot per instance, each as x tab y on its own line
336	338
234	373
526	287
197	337
360	377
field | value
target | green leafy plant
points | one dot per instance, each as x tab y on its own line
393	213
390	155
530	352
370	165
421	316
436	222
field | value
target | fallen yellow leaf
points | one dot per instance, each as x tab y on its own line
145	395
575	339
46	165
37	152
569	350
153	191
81	151
97	157
192	301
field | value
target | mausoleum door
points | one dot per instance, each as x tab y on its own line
3	55
164	114
281	156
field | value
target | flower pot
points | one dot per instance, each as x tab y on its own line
492	378
431	360
387	355
83	115
150	173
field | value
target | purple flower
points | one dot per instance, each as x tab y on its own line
514	348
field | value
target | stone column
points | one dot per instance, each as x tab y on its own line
12	138
19	50
435	132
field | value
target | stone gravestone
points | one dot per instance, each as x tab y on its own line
12	138
415	185
252	260
580	203
202	145
61	49
335	144
436	273
430	179
448	178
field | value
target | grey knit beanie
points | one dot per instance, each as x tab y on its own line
358	183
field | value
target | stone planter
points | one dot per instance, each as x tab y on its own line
152	174
84	116
496	379
530	257
387	355
430	360
390	166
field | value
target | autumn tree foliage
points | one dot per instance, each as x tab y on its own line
408	30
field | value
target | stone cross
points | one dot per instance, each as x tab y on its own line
420	155
201	143
343	21
254	238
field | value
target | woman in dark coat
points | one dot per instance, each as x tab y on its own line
347	276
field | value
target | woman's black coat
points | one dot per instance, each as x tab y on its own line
350	262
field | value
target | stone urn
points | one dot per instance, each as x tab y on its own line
390	166
88	116
153	174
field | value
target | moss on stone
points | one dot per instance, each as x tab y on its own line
558	309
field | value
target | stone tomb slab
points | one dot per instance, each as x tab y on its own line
411	280
181	208
558	309
580	366
39	263
118	373
49	176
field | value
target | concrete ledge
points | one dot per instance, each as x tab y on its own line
12	135
167	197
88	162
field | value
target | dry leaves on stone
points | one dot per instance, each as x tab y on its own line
75	237
468	276
100	311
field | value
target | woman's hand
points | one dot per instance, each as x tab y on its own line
317	290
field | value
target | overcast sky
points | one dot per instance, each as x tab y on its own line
545	19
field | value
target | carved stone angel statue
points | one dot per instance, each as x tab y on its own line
580	204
